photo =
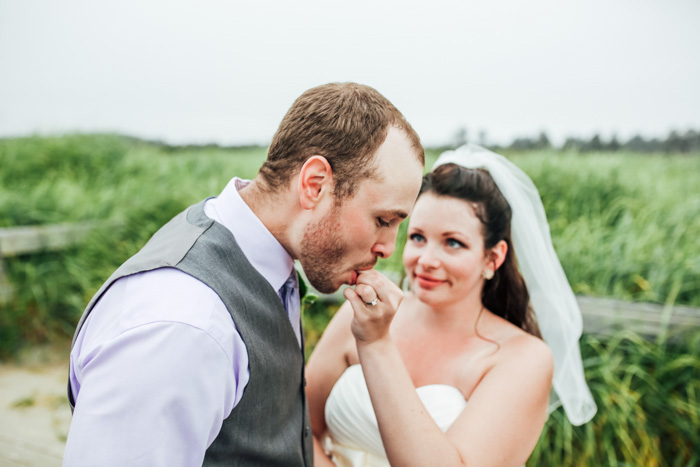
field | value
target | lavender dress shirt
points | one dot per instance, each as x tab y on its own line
159	363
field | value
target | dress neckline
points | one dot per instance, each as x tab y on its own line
425	387
354	438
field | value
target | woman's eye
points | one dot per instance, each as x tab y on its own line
382	222
452	243
416	237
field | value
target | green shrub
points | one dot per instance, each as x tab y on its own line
648	411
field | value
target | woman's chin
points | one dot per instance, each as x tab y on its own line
427	296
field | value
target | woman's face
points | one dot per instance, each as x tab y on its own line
444	255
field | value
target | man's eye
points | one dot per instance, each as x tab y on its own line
382	222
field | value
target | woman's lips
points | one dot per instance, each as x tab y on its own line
428	282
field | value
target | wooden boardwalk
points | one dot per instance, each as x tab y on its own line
34	414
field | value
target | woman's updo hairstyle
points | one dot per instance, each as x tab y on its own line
506	294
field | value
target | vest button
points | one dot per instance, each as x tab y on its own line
306	432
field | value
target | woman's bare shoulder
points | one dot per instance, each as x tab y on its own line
527	352
516	347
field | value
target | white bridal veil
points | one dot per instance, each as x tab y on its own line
553	301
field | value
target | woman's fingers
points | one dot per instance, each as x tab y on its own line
384	288
374	302
366	293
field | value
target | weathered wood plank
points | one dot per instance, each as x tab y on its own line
606	316
22	240
15	241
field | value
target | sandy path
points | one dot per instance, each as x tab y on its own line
34	414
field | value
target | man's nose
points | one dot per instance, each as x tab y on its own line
385	244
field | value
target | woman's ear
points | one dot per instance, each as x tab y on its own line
497	254
315	181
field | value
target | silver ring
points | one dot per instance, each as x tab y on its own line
373	302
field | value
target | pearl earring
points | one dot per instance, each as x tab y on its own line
487	274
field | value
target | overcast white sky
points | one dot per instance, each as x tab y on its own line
227	71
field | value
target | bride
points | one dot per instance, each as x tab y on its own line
454	372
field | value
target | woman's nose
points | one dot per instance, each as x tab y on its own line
428	258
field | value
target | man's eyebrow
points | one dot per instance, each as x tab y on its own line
396	213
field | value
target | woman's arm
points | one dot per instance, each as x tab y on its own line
327	363
320	457
502	420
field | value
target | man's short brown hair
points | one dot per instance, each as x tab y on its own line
343	122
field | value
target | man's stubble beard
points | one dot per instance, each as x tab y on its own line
322	253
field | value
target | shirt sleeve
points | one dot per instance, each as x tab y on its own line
154	395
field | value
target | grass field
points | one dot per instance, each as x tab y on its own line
624	226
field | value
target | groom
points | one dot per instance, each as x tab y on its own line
192	353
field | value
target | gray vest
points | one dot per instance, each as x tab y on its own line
270	424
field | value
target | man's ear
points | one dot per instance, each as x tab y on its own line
497	255
315	181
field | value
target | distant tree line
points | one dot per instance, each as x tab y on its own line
675	142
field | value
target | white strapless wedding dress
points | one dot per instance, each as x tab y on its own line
354	438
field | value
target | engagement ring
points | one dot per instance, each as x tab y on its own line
373	302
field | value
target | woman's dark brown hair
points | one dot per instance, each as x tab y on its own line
506	294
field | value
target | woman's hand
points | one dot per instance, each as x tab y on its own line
374	302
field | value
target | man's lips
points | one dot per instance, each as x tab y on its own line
356	272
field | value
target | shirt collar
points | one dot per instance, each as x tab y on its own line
264	252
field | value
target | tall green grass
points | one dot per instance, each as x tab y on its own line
133	187
647	395
624	226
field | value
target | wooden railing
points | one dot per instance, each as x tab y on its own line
607	316
600	315
15	241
